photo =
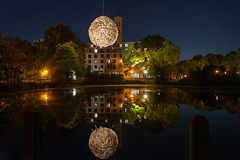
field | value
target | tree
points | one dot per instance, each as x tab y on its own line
68	58
16	59
212	59
53	36
231	59
162	61
151	42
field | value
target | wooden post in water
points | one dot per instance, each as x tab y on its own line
199	138
32	135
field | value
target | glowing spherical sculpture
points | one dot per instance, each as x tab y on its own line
103	32
103	142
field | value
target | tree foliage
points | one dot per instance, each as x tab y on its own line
154	54
68	58
16	59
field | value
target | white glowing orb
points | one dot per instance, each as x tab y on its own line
103	32
103	142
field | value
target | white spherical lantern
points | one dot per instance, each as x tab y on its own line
103	32
103	142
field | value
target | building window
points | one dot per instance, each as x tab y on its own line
89	61
114	110
95	66
101	99
89	56
89	110
114	55
101	66
120	45
126	45
108	55
95	50
95	110
120	55
102	55
91	45
114	50
101	110
114	61
95	56
108	61
90	50
101	60
108	110
108	50
102	105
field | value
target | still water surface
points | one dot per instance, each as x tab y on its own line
151	122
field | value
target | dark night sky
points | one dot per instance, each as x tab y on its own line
196	26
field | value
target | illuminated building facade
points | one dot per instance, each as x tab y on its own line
108	59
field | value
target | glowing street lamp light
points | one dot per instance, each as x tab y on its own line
132	72
217	71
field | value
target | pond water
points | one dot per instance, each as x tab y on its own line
151	122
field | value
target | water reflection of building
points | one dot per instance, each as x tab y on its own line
106	109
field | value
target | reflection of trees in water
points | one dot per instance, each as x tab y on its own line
155	113
211	99
60	109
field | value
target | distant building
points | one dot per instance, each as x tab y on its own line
108	59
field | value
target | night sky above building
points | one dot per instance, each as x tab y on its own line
196	26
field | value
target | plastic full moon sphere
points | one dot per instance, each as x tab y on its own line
103	32
103	142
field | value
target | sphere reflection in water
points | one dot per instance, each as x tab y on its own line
103	142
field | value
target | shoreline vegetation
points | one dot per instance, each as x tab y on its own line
29	86
59	60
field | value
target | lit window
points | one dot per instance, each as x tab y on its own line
108	61
91	120
95	50
91	45
95	61
120	61
126	45
95	115
120	45
126	49
126	121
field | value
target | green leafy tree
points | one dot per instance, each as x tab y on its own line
151	42
163	61
68	58
231	59
54	36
